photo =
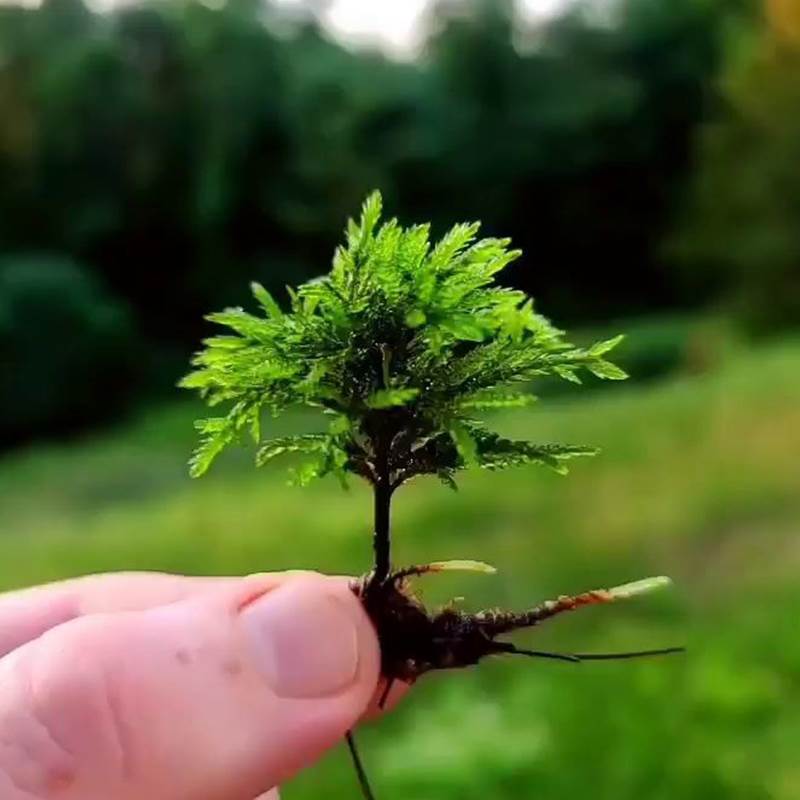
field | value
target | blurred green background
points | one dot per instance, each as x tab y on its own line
154	158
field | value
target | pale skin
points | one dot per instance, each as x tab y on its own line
149	685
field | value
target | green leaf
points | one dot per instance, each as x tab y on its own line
391	398
309	443
240	321
225	342
370	214
415	318
216	433
567	373
465	327
495	452
453	243
255	426
465	443
607	370
496	398
601	348
266	300
341	424
307	472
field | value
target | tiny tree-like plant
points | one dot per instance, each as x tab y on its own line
400	346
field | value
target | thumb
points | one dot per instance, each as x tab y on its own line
219	697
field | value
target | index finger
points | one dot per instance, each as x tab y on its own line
26	614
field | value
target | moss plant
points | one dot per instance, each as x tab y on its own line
400	346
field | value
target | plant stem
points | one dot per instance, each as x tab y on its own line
382	530
382	536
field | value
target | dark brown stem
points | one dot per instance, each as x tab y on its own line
382	541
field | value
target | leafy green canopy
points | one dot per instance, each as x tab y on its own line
400	345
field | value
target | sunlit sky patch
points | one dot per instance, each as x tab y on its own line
397	26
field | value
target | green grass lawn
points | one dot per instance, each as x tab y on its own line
699	479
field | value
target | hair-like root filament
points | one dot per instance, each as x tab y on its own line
577	658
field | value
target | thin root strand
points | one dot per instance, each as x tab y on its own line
363	781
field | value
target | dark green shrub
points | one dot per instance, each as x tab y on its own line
67	348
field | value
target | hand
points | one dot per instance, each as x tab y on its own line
146	685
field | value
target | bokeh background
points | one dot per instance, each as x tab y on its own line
155	158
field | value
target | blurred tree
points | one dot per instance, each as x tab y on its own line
580	141
741	233
178	150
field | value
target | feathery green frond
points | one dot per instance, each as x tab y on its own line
402	342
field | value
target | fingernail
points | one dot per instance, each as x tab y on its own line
303	640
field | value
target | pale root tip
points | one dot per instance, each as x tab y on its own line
462	566
640	587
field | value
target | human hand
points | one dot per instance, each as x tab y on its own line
146	685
